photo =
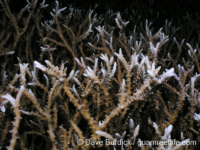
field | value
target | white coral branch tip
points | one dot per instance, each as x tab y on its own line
120	54
197	117
168	74
91	74
39	66
136	131
156	128
113	70
70	75
9	98
104	134
168	130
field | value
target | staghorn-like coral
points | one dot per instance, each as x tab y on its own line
81	77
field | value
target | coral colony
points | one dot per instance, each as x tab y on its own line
75	79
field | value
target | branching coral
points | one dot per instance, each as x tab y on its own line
89	81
